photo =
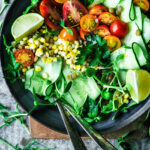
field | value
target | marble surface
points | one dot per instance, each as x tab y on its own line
15	133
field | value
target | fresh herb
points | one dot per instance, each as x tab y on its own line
33	4
123	143
49	33
87	2
62	23
4	5
95	52
12	69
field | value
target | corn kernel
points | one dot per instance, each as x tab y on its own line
55	38
39	52
44	59
54	59
38	68
36	42
32	46
42	40
24	70
54	47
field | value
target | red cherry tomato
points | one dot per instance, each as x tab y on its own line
107	18
89	23
64	34
73	10
24	57
113	42
51	13
102	31
83	34
119	28
97	10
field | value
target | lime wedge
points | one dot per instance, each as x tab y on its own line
26	24
140	84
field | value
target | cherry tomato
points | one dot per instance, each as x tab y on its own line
119	28
97	10
73	10
89	23
102	30
51	13
83	34
113	42
24	57
64	34
107	18
60	1
143	4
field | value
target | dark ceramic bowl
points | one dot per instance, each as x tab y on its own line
49	116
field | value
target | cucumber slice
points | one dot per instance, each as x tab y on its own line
95	2
111	3
132	12
28	76
132	37
146	29
82	86
52	69
127	9
139	54
129	60
39	84
138	19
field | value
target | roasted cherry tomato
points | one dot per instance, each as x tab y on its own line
60	1
107	18
102	31
24	57
89	23
113	42
51	14
143	4
97	10
119	28
83	34
64	34
73	10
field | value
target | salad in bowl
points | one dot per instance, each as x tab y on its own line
93	56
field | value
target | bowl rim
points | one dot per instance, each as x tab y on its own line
121	125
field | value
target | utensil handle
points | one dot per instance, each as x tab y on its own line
97	137
72	132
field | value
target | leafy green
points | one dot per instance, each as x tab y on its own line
62	23
5	4
49	33
33	4
12	69
87	2
1	24
125	144
95	52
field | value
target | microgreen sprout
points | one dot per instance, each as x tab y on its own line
62	23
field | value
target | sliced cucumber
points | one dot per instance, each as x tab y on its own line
82	86
39	84
132	37
28	76
146	29
52	69
138	19
95	2
132	12
139	54
111	3
127	9
128	61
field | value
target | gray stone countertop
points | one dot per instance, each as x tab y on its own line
15	133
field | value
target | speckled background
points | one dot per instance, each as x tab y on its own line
15	133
